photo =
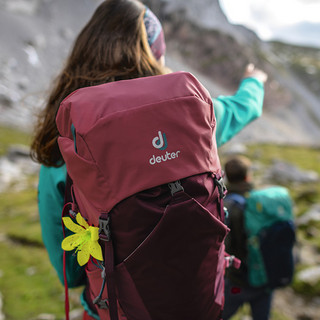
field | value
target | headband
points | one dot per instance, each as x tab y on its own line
155	34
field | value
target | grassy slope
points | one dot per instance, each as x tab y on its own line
306	159
29	284
10	136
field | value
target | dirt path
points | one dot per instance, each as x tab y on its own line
294	307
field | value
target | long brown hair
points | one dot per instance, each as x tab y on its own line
112	46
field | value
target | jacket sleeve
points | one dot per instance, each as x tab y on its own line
233	113
50	202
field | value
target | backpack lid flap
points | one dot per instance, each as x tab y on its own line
137	134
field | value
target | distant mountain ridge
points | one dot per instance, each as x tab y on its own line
200	33
36	36
302	33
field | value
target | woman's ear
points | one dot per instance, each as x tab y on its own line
162	61
248	177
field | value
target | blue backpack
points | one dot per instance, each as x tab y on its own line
270	231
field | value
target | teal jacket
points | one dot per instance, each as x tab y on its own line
232	113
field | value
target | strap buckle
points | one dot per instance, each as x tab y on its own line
104	228
221	187
232	261
101	303
175	187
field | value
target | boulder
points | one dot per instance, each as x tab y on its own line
313	214
284	172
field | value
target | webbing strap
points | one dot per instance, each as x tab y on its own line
175	187
231	261
65	212
222	193
66	293
109	265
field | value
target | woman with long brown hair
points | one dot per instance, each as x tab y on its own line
112	46
123	40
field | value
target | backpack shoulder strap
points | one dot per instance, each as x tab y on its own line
234	202
105	236
235	242
69	208
237	199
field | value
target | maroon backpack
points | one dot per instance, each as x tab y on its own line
143	160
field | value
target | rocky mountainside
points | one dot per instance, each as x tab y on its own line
200	34
36	36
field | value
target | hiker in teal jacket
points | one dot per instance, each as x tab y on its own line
233	113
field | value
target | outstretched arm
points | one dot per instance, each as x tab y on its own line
233	113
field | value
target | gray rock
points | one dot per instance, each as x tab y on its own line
307	254
284	172
310	275
26	7
313	214
234	149
16	167
76	314
18	151
46	316
5	100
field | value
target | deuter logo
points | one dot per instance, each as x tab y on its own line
160	141
168	156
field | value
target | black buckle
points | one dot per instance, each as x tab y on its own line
72	213
175	187
104	228
221	187
101	303
229	260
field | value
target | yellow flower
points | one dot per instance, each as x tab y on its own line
84	240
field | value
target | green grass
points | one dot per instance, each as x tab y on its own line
28	282
245	311
305	158
19	215
303	288
308	159
9	136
